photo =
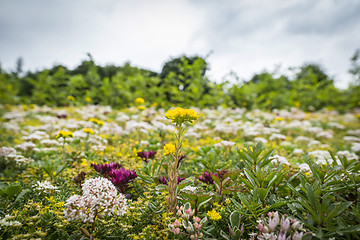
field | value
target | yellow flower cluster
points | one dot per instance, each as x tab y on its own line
96	121
88	130
64	134
169	149
179	115
71	98
213	215
139	101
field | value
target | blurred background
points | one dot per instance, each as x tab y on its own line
222	47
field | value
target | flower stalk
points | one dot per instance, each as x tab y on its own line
178	116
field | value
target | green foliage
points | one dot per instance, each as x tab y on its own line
236	231
182	82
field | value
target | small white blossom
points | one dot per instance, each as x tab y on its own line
276	159
99	194
45	186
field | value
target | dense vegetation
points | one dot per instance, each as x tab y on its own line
182	82
92	172
100	153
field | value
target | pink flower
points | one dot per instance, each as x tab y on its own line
197	226
177	223
197	219
176	231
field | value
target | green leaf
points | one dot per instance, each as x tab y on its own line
12	190
59	235
2	192
262	193
235	219
224	235
311	196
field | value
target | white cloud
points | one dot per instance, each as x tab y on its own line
245	36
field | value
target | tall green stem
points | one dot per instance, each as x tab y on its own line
174	171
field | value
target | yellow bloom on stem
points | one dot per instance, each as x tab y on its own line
71	98
64	134
214	215
96	121
141	107
179	115
169	149
88	130
139	101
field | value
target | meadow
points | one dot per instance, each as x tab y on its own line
144	172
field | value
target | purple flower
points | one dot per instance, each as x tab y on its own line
105	169
146	155
206	178
121	177
163	180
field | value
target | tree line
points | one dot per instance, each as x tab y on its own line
182	82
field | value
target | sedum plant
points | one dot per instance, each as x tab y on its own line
179	117
236	232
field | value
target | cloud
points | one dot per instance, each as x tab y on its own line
245	36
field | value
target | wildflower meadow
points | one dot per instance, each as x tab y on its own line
144	172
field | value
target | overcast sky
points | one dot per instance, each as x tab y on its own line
244	36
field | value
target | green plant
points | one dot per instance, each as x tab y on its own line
236	232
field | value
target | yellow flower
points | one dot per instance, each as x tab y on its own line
64	134
88	130
139	101
279	118
71	98
141	107
179	115
96	121
88	99
213	215
169	149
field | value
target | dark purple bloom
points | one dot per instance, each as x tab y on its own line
163	180
146	155
180	179
105	169
118	175
206	178
121	177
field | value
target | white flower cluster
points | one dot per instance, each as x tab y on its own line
9	154
5	222
45	186
99	196
276	159
225	144
27	146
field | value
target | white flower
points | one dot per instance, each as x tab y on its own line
5	223
6	151
279	159
49	142
45	186
348	155
260	139
225	144
355	147
298	151
25	146
304	167
99	194
277	136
